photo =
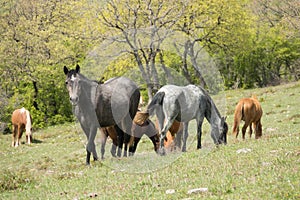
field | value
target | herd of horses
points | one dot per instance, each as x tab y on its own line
112	107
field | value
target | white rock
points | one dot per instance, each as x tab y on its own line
244	150
197	190
170	191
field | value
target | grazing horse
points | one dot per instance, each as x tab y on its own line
138	130
250	111
184	104
113	103
21	120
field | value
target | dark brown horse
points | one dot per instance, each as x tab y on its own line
250	111
21	120
138	130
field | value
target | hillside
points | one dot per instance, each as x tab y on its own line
53	166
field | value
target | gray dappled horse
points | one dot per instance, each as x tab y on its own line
184	104
113	103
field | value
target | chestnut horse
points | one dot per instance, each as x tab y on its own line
174	136
21	120
250	111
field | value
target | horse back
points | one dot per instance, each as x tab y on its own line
251	109
182	101
116	98
18	117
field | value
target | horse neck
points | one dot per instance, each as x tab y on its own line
88	95
85	109
213	115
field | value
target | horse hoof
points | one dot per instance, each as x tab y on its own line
162	152
131	154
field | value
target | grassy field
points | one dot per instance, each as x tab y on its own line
53	167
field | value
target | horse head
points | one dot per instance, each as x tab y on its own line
72	83
223	131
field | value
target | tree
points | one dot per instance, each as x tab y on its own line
37	39
141	27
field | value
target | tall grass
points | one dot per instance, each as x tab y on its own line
53	166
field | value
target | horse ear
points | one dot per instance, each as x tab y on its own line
77	68
66	70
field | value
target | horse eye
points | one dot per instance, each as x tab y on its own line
66	82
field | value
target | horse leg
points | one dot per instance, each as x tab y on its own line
114	147
185	135
28	138
244	129
133	147
90	148
120	140
103	137
164	131
127	128
178	138
250	129
126	142
155	142
199	131
112	133
19	134
14	133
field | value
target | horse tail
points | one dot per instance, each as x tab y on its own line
157	100
131	141
238	116
141	117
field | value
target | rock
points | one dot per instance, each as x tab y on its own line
197	190
244	150
170	191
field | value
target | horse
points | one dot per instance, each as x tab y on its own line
185	103
113	103
21	119
138	130
249	110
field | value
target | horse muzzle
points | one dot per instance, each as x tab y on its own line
74	100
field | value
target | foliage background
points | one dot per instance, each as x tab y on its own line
252	43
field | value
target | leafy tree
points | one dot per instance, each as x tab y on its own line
141	27
37	39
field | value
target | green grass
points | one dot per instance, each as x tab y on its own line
54	166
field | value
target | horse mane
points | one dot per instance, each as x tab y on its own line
28	121
210	103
